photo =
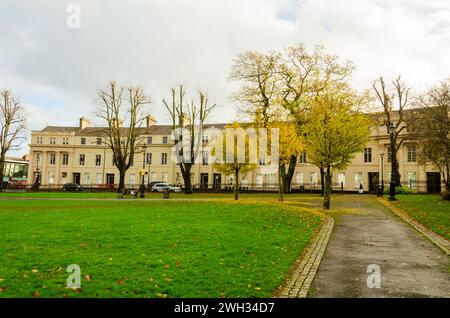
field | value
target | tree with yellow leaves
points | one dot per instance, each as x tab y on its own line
334	131
234	157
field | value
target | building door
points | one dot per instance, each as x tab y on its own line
76	178
433	182
110	180
204	181
373	181
217	181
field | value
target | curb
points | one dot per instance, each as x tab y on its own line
298	284
436	239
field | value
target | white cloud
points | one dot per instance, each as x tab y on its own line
157	44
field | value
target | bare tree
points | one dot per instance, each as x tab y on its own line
433	131
187	122
119	105
12	127
399	116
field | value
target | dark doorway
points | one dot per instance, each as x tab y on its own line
217	181
204	180
110	179
433	182
373	181
76	178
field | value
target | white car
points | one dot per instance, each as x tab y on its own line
161	187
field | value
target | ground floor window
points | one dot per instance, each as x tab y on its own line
412	179
300	178
313	178
341	179
132	179
358	180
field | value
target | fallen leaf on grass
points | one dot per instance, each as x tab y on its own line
88	277
2	289
121	281
36	294
166	266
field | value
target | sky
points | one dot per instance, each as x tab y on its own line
57	69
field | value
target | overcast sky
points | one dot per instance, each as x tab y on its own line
57	71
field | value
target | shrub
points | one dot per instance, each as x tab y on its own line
400	190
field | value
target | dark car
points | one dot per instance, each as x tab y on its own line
72	187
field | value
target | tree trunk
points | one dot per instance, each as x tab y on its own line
287	177
327	190
280	185
187	181
236	185
2	171
186	173
121	180
322	182
446	193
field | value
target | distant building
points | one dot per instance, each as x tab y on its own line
15	173
77	154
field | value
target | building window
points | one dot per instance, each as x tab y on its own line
87	178
65	159
52	158
262	161
412	180
299	178
204	139
98	160
149	140
132	179
205	158
164	158
148	158
51	178
52	140
358	180
82	158
341	179
164	140
99	178
302	157
411	153
99	141
313	178
368	155
83	141
40	140
389	154
65	140
165	176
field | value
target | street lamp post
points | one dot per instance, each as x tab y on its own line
144	147
391	130
382	170
148	178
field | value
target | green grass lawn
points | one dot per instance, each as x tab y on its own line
429	210
132	248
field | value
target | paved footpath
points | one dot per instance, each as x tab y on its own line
411	266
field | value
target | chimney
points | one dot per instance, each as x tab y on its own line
150	121
84	122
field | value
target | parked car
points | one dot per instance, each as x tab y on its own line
72	187
174	188
152	183
160	187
